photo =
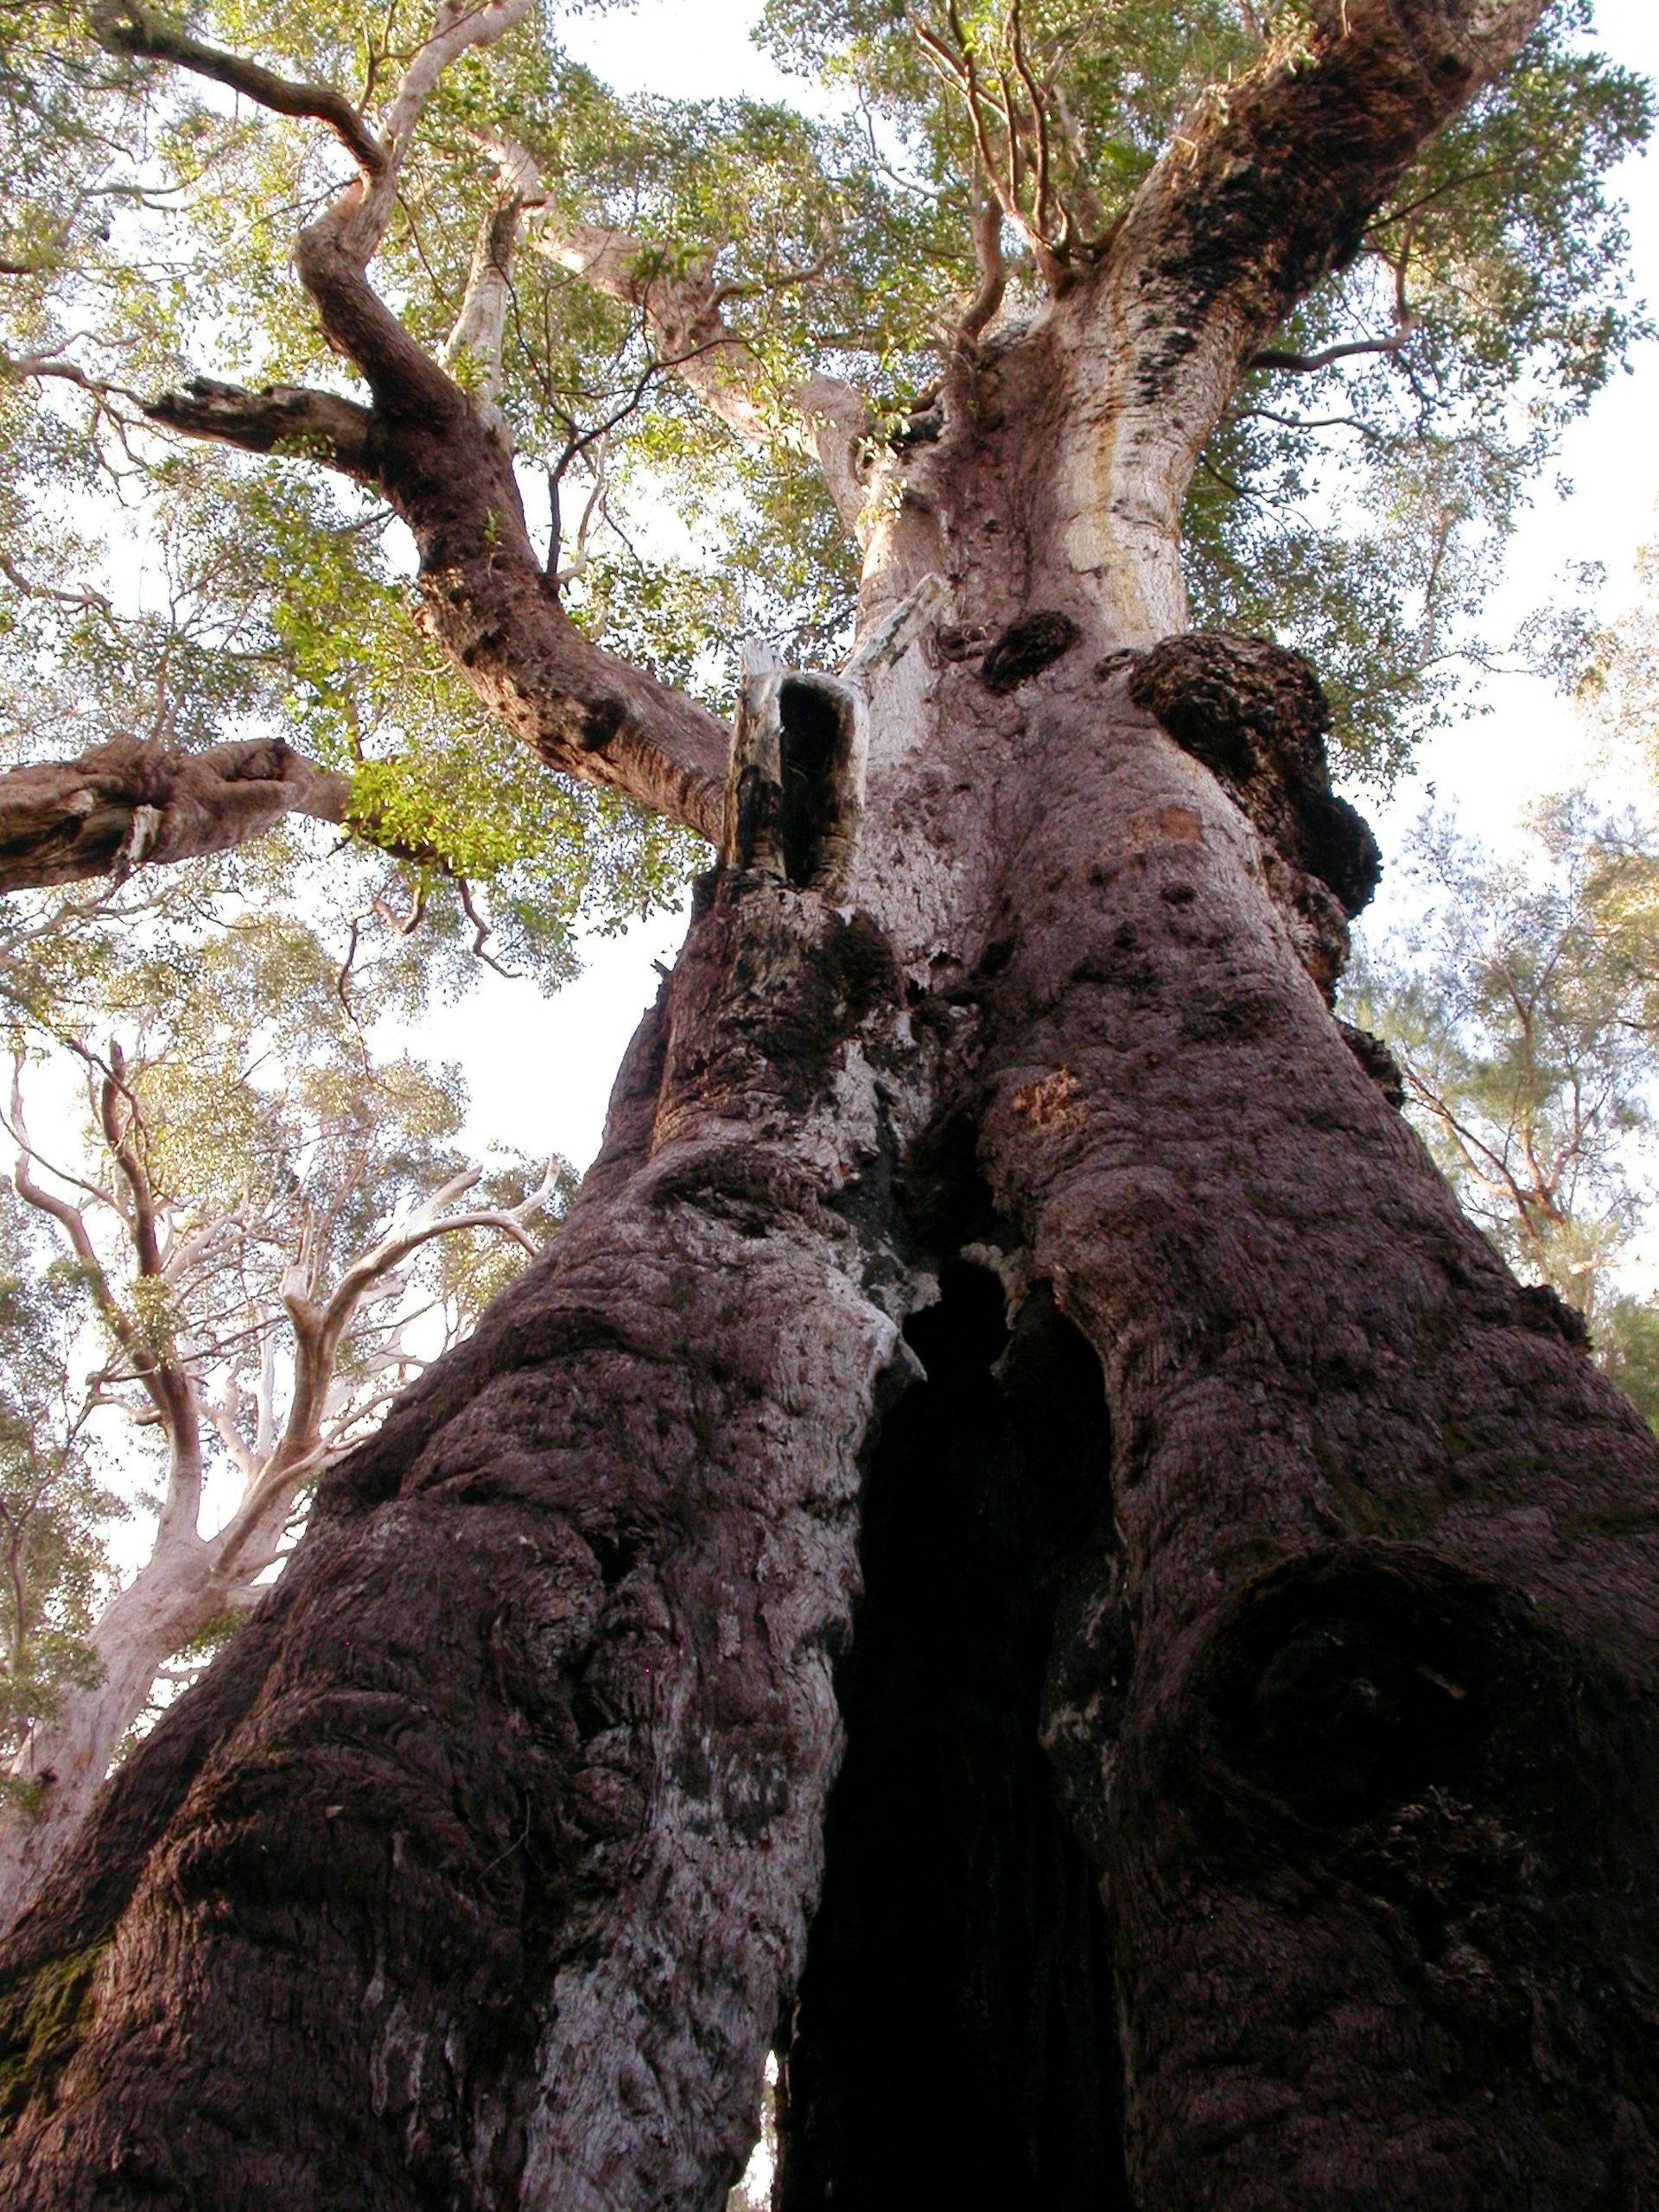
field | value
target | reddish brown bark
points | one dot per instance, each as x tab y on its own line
127	802
1249	1709
1324	1578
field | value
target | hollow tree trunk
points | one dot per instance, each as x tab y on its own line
1247	1797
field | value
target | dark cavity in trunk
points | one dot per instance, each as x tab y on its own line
812	743
954	2038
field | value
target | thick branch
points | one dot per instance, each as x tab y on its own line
128	803
440	458
125	27
357	221
437	457
283	418
1263	193
478	327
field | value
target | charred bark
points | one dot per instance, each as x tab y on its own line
954	2038
545	1749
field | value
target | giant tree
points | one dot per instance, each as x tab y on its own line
1015	1541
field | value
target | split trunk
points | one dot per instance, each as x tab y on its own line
1015	1547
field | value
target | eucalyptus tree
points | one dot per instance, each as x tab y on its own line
1520	1008
1235	1783
58	1509
251	1223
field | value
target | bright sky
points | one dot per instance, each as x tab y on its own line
540	1071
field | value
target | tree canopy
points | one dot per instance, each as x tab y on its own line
556	246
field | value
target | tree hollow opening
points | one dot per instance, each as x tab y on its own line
955	2040
813	746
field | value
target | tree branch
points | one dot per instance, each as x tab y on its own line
128	803
1266	190
121	27
443	461
319	1332
992	271
479	325
282	418
1306	364
163	1378
118	1135
682	312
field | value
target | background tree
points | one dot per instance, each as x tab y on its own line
1521	1011
252	1223
1248	1731
56	1512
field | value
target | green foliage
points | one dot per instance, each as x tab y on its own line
1359	513
56	1506
153	224
1524	1009
242	1076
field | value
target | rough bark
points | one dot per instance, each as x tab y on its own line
486	600
1006	1231
541	1725
192	1583
128	802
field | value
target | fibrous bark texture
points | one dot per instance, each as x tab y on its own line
1259	1596
1013	1447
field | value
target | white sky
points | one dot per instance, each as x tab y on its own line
539	1072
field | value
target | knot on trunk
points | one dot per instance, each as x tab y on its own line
1025	648
1377	1061
1255	716
1543	1308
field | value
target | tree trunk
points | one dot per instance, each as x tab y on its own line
178	1594
1247	1730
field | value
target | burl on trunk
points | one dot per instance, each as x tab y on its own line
1015	1546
